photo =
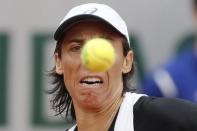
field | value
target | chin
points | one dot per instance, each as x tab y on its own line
90	101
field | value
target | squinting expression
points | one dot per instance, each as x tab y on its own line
89	89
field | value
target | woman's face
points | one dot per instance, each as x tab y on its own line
90	89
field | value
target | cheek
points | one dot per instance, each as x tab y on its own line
70	68
119	60
116	71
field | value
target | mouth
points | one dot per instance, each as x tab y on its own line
91	82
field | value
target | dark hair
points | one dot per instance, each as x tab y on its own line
62	101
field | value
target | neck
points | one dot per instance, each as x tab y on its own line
100	120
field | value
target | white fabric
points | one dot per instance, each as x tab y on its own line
124	121
72	128
165	83
102	11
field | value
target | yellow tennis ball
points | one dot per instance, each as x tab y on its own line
98	55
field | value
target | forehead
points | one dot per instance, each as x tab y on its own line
91	27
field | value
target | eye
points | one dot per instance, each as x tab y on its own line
75	45
76	48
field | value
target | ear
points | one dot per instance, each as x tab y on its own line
58	64
127	63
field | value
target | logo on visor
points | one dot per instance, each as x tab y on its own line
90	11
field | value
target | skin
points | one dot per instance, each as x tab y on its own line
96	103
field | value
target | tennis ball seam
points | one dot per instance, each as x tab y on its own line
100	58
98	54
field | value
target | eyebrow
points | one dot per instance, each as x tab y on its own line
82	41
78	40
106	37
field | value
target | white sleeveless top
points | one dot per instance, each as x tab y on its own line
124	121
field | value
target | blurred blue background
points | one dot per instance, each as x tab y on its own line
26	50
